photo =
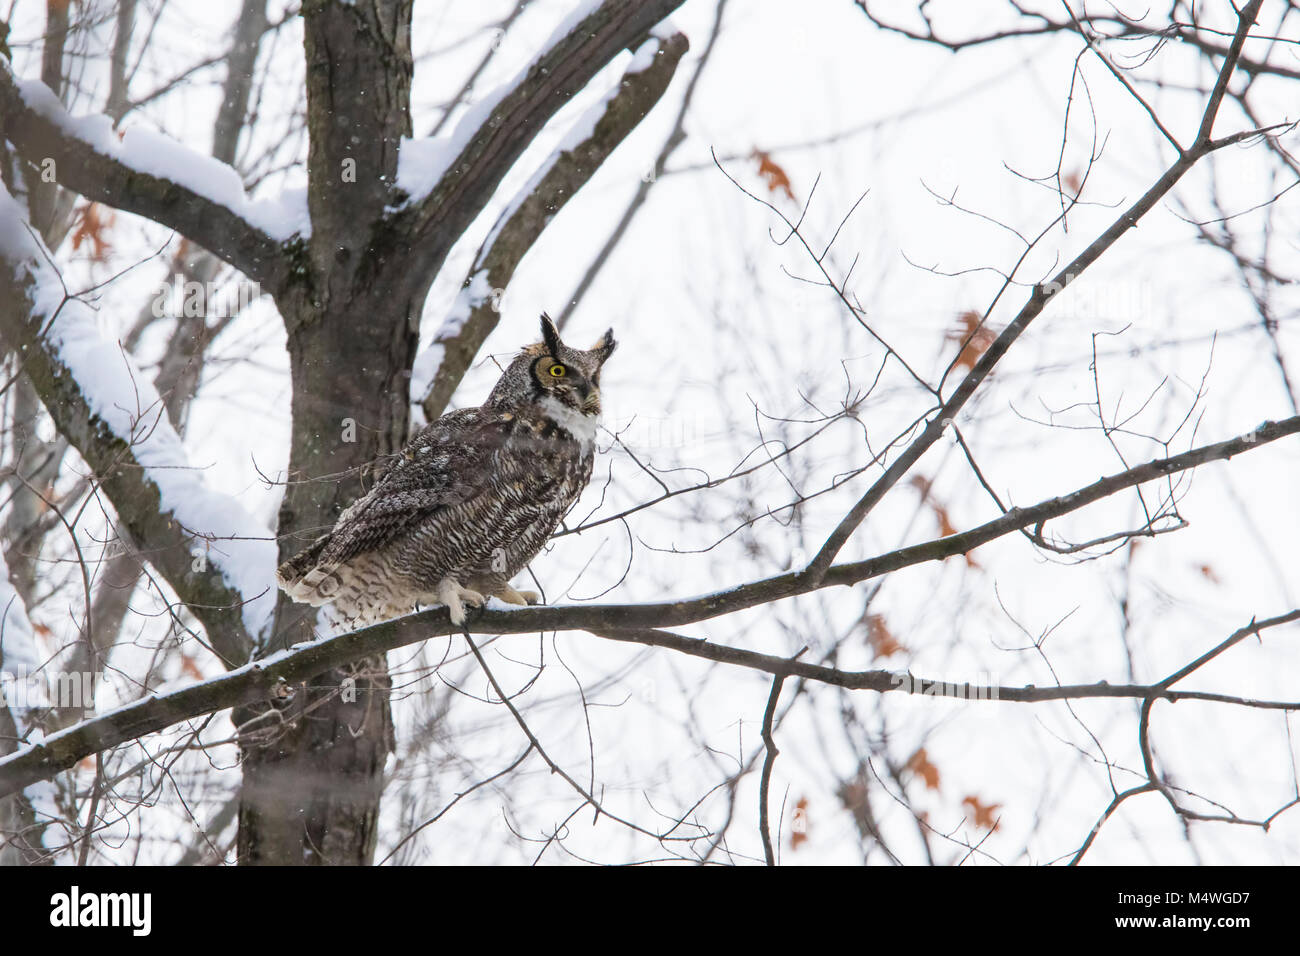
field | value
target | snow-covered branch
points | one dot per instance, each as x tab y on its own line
449	180
152	175
586	146
218	559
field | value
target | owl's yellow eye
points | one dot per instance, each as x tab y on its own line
557	371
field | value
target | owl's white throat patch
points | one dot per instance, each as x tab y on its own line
580	426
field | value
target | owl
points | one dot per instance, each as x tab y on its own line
469	501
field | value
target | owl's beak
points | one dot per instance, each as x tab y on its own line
590	399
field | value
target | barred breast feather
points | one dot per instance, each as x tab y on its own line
472	498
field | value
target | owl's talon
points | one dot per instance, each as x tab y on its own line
455	596
511	596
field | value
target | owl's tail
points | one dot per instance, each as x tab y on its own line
354	589
305	579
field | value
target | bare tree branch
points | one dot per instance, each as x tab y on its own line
770	753
1119	27
1042	294
675	139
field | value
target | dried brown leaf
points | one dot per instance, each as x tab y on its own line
776	176
919	763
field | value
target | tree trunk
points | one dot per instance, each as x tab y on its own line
313	768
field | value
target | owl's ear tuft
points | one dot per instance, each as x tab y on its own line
550	335
605	347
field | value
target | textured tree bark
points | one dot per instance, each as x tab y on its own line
311	787
311	791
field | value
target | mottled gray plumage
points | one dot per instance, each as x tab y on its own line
469	501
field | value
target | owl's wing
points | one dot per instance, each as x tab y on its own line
447	463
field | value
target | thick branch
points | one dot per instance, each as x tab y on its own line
179	553
523	222
44	133
359	70
433	223
271	679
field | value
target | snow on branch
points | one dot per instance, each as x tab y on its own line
145	172
449	180
216	556
559	177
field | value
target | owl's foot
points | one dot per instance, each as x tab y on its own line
451	593
511	596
